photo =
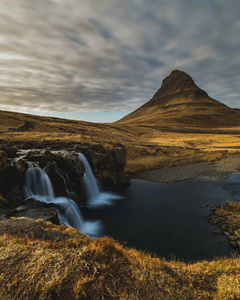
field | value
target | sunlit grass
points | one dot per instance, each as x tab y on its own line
39	260
147	147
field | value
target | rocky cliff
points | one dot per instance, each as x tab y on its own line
65	171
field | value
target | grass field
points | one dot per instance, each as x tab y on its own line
42	261
148	147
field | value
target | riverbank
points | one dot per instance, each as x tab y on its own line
226	217
216	170
44	261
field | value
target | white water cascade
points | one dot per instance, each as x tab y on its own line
38	186
90	183
94	195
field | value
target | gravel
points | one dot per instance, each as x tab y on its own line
214	171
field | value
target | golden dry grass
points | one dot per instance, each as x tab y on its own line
147	147
39	260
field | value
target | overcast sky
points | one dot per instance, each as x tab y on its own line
80	58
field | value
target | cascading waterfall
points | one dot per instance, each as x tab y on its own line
38	186
90	182
38	183
95	196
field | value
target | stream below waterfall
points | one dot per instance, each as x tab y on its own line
168	219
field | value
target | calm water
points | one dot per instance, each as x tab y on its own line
167	219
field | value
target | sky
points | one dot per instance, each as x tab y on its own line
97	60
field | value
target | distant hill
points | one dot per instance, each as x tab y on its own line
180	101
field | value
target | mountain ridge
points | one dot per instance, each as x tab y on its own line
179	101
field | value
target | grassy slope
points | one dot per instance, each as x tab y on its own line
181	103
39	260
68	265
181	112
148	147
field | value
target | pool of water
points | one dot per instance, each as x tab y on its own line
168	219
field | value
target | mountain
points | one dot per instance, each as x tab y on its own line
180	102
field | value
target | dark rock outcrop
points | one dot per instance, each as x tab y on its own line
9	149
11	184
3	162
65	171
108	164
226	217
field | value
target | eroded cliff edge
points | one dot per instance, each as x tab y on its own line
64	169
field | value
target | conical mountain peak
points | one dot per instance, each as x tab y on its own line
177	80
177	87
180	102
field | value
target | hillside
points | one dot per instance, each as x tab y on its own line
180	102
19	127
181	124
40	260
148	147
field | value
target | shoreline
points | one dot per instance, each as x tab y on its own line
215	170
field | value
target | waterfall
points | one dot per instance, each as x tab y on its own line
94	195
89	180
38	183
38	186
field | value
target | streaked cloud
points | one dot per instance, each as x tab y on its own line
112	55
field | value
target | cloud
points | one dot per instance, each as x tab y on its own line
82	56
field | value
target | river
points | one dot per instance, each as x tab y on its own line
168	219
